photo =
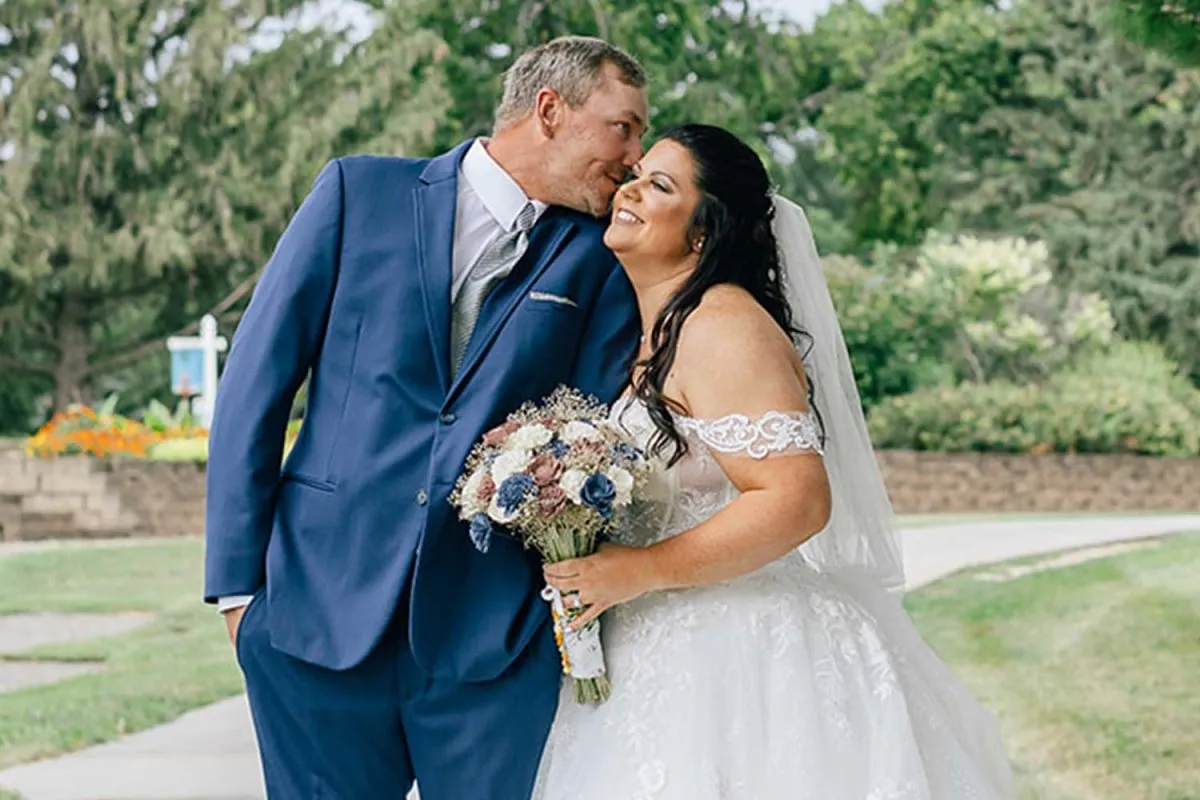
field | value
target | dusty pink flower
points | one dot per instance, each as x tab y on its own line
497	436
487	488
546	470
589	446
552	500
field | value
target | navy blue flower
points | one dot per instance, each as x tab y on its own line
481	532
599	493
624	452
513	491
559	448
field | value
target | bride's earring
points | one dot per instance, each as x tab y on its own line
699	245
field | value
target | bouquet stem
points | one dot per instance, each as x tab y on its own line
561	545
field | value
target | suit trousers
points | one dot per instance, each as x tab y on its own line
367	732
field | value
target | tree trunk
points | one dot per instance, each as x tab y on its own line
72	373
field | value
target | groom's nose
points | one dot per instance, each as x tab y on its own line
633	152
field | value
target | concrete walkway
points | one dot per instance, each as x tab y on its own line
210	754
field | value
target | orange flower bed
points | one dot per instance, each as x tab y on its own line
81	431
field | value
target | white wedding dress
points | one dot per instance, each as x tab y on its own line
785	684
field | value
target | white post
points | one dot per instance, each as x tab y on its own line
210	345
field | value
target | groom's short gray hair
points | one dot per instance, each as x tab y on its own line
570	65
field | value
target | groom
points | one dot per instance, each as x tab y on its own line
427	299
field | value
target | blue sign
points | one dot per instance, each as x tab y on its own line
187	371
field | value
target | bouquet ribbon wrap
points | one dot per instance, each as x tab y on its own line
583	656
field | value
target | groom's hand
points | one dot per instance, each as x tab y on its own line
233	619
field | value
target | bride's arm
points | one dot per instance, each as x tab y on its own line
732	358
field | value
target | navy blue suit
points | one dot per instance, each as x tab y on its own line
379	639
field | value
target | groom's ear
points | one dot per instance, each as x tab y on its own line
549	108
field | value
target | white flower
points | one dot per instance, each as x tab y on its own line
572	482
509	463
982	333
576	430
470	494
1092	320
498	514
1027	334
529	437
623	483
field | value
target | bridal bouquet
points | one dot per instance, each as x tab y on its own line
556	474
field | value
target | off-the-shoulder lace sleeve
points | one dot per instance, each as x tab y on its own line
773	433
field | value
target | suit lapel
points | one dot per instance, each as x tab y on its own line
436	203
547	239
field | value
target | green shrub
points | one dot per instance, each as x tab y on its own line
896	337
1010	321
1133	400
956	309
195	449
180	423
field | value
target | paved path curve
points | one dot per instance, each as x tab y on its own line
210	754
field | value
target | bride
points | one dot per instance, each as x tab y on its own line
754	648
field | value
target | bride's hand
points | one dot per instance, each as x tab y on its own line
615	574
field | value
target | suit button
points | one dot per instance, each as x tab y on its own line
422	497
449	417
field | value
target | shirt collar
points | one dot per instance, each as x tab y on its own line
501	195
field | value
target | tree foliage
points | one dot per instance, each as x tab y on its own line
1104	166
155	150
1038	121
1171	26
707	61
151	152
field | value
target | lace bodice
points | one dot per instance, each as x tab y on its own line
695	488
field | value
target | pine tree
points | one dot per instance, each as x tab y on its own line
1103	163
1172	26
152	151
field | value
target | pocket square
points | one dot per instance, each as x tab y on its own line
553	298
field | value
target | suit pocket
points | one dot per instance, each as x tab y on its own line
549	306
328	487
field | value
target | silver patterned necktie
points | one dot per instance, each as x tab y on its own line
493	266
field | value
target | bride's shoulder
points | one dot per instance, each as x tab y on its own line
729	323
734	357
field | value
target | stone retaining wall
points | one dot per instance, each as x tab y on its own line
926	483
82	497
72	497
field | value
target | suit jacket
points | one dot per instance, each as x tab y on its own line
358	292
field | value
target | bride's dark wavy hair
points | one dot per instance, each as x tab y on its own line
733	222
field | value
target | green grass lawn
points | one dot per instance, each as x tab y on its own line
180	661
1093	670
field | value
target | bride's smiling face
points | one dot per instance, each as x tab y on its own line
652	213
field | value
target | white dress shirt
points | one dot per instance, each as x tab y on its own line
489	201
